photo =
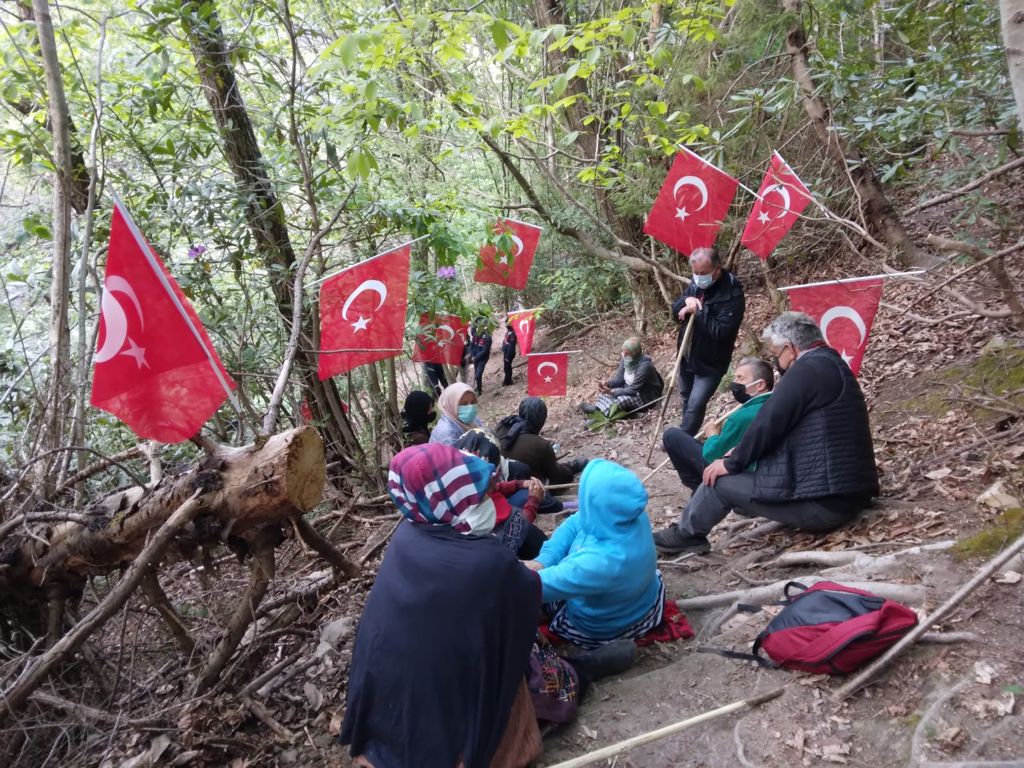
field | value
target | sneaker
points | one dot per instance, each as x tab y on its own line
672	541
604	661
588	408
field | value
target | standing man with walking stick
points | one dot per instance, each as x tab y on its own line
715	301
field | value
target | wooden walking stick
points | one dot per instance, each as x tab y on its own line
668	730
719	421
683	349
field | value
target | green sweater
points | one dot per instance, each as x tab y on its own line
732	430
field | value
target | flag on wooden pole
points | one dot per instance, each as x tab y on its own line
547	374
780	201
508	262
440	339
525	324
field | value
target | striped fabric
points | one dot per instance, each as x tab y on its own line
627	403
436	484
562	627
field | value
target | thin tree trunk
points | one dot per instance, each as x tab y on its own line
265	212
880	217
1012	14
60	332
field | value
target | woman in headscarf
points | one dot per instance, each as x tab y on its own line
444	644
520	439
458	414
635	384
418	414
513	524
599	568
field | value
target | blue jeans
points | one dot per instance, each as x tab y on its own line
695	392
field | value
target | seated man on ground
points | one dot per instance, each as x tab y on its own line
598	569
520	439
810	447
634	384
752	384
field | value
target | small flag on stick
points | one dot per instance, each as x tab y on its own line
547	374
525	324
780	201
508	263
440	340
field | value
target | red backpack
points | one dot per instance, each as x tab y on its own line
829	629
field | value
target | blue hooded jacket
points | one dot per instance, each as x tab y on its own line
601	560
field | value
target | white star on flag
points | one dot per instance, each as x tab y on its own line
681	214
360	324
547	379
763	217
137	353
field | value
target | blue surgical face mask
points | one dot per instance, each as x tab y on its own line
467	413
703	281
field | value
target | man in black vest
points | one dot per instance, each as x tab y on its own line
806	460
714	298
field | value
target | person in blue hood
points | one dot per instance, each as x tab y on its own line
599	568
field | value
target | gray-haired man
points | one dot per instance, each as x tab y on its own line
806	460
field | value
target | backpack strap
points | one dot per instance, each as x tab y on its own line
790	585
755	657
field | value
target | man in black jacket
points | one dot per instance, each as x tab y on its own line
479	350
806	460
715	300
508	351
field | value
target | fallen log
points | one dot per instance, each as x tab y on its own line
903	593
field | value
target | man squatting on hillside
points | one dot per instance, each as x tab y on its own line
807	459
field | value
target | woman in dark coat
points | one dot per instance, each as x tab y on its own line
417	414
634	384
520	439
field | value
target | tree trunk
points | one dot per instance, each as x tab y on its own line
264	484
60	333
879	215
265	213
1012	13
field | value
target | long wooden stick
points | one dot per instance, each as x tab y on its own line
937	615
687	337
720	420
560	486
668	730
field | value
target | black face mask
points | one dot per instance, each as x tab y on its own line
779	368
739	391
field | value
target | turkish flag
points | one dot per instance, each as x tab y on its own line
155	368
508	262
547	374
692	204
780	201
362	312
440	340
524	324
845	312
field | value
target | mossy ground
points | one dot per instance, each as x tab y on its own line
1008	526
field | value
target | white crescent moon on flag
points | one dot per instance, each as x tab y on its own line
524	326
367	285
783	191
518	241
850	314
547	364
451	334
692	181
115	322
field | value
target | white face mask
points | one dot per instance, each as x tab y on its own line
703	281
480	518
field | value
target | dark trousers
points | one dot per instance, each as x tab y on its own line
508	372
478	374
687	456
436	378
709	506
695	391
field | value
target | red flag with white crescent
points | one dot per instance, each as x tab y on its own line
155	368
508	262
780	201
691	205
844	311
440	339
547	374
524	324
362	312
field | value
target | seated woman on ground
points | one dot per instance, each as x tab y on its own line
458	407
513	525
634	384
598	569
444	643
418	414
520	439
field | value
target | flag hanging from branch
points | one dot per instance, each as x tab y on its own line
155	368
508	262
440	340
692	204
780	201
362	312
547	374
845	311
524	323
